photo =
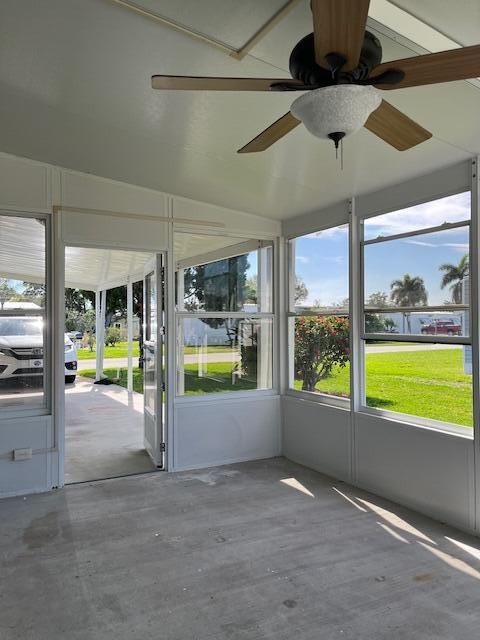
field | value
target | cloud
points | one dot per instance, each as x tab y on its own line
302	259
421	244
334	259
461	246
328	233
429	214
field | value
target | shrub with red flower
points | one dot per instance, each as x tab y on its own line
321	343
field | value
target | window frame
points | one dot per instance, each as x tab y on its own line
314	396
254	245
363	336
46	409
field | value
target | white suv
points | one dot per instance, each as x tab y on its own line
21	349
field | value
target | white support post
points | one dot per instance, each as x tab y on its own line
179	333
474	332
289	252
98	363
356	303
130	335
264	339
102	327
100	306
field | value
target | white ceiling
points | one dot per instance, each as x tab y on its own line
75	91
459	20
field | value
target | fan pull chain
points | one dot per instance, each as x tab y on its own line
341	154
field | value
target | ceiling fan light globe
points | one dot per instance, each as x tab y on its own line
344	107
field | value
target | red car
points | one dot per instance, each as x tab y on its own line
445	327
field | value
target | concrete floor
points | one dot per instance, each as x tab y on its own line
257	550
103	432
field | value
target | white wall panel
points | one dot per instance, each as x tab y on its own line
234	222
400	196
95	230
421	468
91	192
25	476
317	436
208	433
24	185
316	220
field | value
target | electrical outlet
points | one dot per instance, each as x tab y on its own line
22	454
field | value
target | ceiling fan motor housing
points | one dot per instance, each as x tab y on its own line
304	68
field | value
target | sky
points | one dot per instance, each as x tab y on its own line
322	258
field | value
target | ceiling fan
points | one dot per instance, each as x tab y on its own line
339	67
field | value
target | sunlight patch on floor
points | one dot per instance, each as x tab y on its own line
395	520
453	562
295	484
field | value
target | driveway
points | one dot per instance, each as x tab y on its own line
191	358
371	348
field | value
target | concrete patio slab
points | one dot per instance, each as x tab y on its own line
103	432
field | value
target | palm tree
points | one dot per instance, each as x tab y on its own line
408	292
455	276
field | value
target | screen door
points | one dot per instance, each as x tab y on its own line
153	368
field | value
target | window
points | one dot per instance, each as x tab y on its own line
22	313
416	315
318	315
225	324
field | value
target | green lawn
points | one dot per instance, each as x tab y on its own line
219	379
118	351
429	384
122	381
216	348
381	343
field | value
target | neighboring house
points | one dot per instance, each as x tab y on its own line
121	323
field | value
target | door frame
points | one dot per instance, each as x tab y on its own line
156	267
58	248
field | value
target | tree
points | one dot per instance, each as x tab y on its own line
34	291
6	292
321	343
374	322
251	290
89	321
454	275
408	292
344	303
377	299
112	336
217	286
79	299
301	291
73	320
389	325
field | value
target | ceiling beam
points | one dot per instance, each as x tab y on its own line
237	54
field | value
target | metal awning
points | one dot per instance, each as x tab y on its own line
22	256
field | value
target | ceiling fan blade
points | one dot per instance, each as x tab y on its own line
269	136
339	27
445	66
198	83
395	128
